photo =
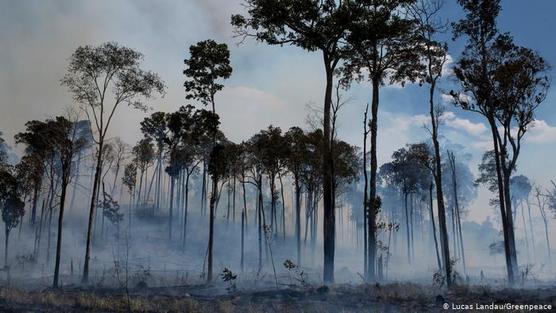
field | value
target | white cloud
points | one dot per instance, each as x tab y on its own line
541	132
451	120
447	68
447	98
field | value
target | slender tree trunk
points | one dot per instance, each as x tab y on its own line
434	228
35	198
365	196
457	209
88	246
60	228
531	224
76	180
502	204
171	210
543	215
159	179
204	188
211	227
185	209
234	200
443	232
407	228
260	222
298	219
283	208
243	217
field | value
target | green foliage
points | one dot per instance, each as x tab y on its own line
208	62
129	179
10	203
311	25
94	72
143	154
383	41
409	169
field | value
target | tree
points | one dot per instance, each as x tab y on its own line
62	136
218	168
410	172
154	127
93	75
31	171
143	156
521	188
312	26
433	55
129	179
383	44
296	141
209	61
11	204
541	202
504	83
272	154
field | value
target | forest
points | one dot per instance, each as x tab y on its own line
293	217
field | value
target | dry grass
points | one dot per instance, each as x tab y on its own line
394	297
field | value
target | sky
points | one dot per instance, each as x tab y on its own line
269	85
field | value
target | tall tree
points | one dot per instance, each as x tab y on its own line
208	62
504	83
433	54
295	138
383	45
63	137
218	168
313	26
95	74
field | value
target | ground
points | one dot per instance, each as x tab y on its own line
394	297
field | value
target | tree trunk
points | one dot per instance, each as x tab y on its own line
234	200
443	232
531	224
373	209
60	228
457	211
185	209
171	210
298	219
283	208
88	246
407	228
365	197
7	240
329	219
35	198
204	188
243	217
503	211
434	229
211	227
260	222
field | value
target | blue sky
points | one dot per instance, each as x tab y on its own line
270	85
